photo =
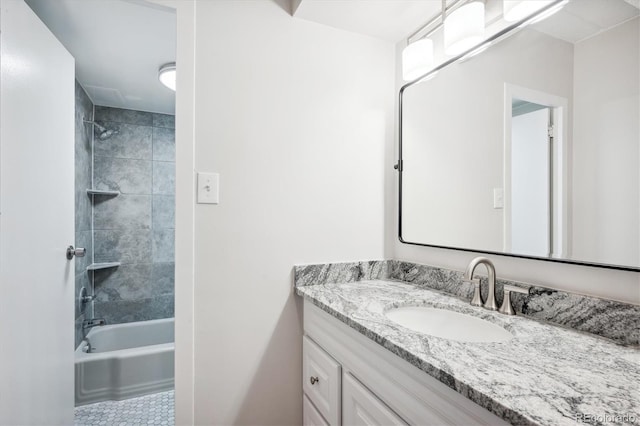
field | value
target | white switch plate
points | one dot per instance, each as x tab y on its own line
208	188
498	198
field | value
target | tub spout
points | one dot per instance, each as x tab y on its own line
96	322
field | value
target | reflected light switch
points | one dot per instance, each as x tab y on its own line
498	198
208	190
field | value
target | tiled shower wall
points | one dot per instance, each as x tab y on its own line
135	228
83	172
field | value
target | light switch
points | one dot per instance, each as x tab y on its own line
208	188
498	198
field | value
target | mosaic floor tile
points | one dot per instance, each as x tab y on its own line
156	409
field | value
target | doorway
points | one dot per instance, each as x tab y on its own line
535	173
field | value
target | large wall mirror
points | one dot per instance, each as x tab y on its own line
531	148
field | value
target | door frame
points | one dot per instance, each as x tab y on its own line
185	208
561	165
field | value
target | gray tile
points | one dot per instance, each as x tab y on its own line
120	115
83	239
126	246
78	331
163	245
164	176
83	159
124	175
135	310
163	277
131	141
164	212
88	308
164	144
82	280
122	212
82	202
164	120
127	282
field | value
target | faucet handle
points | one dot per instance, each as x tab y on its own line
507	307
477	297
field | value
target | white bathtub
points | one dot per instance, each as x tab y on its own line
127	360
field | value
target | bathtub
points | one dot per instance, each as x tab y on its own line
127	360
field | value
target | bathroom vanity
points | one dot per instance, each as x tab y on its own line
360	366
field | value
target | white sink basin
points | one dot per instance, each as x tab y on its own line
448	324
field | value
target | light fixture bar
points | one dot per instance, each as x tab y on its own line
437	21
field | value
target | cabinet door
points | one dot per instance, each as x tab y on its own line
360	407
321	376
310	415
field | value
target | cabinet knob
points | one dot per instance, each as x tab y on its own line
314	380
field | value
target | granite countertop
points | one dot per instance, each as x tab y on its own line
545	375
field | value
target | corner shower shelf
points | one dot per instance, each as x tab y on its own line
96	266
102	192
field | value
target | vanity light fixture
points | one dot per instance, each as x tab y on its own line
515	10
167	75
464	28
417	59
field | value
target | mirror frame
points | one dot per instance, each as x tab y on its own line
506	32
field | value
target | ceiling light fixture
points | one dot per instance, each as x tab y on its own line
417	59
515	10
167	75
464	28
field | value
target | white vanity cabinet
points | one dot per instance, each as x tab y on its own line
350	380
361	407
322	381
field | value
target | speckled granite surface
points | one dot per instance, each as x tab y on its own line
545	375
614	320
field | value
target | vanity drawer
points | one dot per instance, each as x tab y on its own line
310	415
321	381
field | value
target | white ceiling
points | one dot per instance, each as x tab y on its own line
391	20
118	46
582	19
395	20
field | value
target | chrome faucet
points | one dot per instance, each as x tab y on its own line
491	294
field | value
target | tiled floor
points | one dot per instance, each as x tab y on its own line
155	409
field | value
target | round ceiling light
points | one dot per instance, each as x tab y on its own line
167	75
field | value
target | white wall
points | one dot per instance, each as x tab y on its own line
600	282
606	149
295	117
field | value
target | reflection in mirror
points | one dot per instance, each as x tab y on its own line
531	148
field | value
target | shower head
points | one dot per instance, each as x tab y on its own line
102	132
